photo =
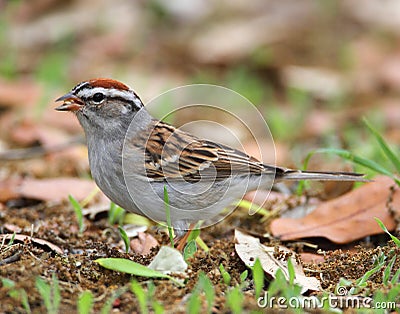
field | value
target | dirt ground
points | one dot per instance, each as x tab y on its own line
77	271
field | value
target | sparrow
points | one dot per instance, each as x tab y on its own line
134	158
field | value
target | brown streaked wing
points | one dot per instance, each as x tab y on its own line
176	155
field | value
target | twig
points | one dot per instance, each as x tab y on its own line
11	259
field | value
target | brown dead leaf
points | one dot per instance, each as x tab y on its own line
231	40
312	258
346	218
24	134
10	93
267	151
320	82
35	241
265	198
95	210
28	133
391	114
144	243
12	227
249	249
56	189
7	189
389	72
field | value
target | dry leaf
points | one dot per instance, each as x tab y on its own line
12	227
230	40
35	241
312	258
144	243
347	218
133	231
168	260
321	82
10	93
267	151
265	198
29	132
249	249
93	211
389	72
54	189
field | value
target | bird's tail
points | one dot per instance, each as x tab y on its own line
296	175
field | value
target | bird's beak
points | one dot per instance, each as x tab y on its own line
70	103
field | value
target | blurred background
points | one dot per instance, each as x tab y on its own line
312	68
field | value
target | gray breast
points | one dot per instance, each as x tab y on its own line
106	168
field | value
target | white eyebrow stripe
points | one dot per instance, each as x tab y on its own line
77	87
110	92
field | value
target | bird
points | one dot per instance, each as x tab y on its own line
135	159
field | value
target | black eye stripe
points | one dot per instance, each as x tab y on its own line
130	102
111	98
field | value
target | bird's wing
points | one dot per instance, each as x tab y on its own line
172	154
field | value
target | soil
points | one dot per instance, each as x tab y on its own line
77	271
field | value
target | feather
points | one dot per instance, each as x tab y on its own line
172	154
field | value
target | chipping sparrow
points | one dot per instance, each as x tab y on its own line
134	156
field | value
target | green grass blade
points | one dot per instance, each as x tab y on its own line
370	164
292	274
202	244
140	294
393	295
25	301
7	283
129	267
225	275
253	208
158	308
78	212
383	227
395	160
387	271
208	288
194	303
189	250
108	305
234	300
125	238
361	281
11	242
85	302
395	277
56	292
243	276
168	214
115	214
258	277
45	293
194	234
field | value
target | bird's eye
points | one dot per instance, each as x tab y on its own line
98	97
